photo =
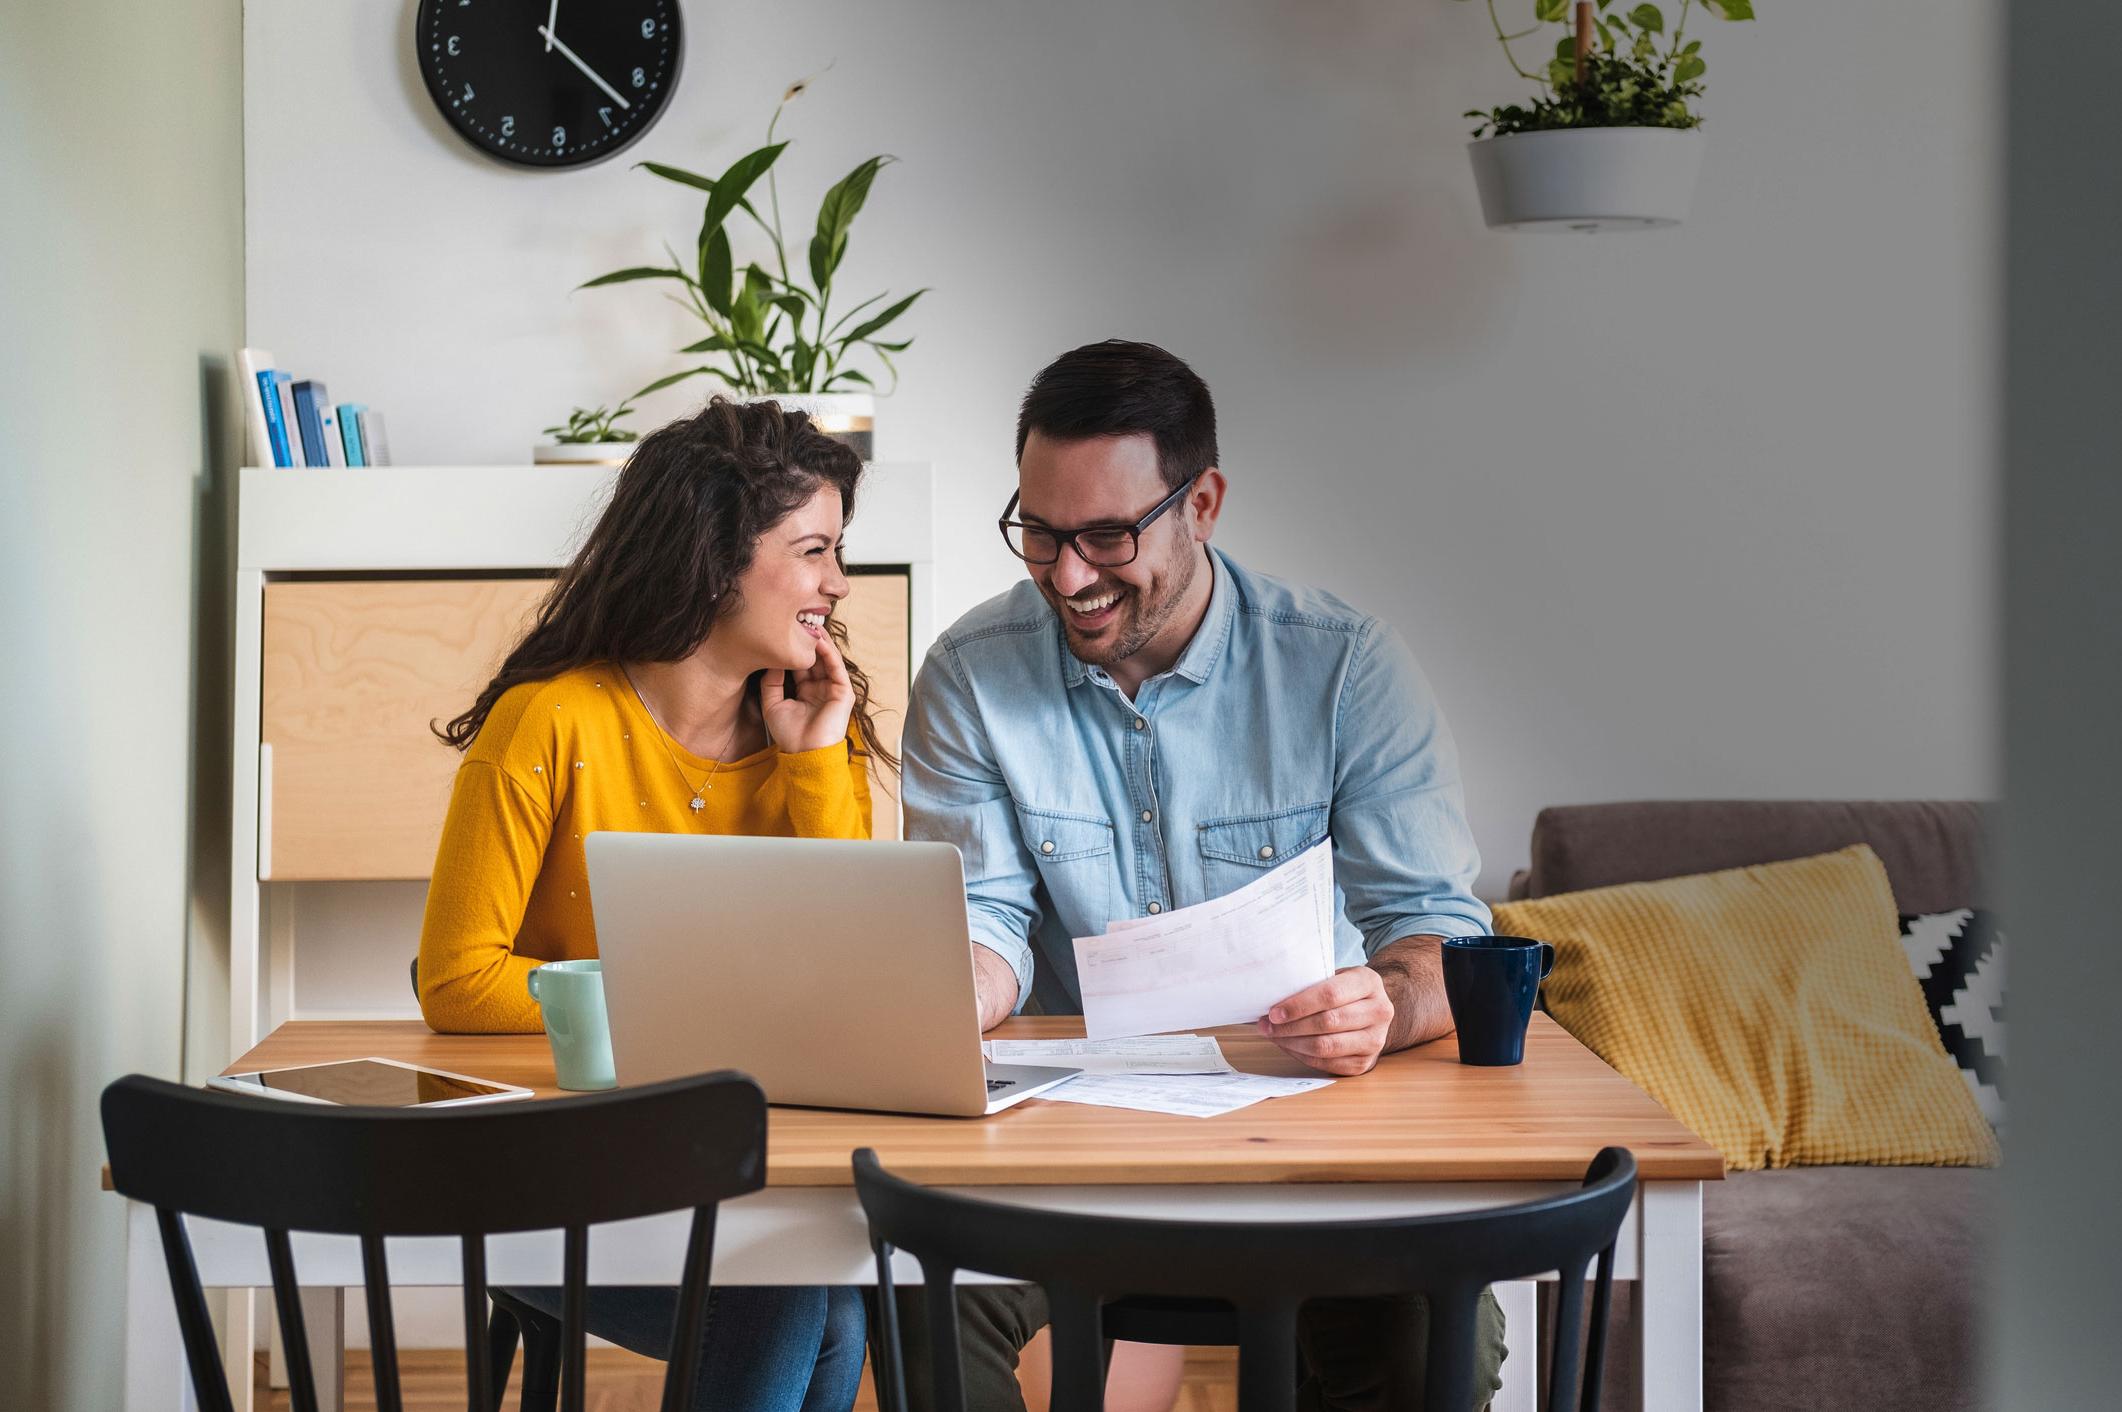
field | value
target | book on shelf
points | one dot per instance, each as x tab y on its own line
349	414
251	363
310	424
375	447
328	422
284	394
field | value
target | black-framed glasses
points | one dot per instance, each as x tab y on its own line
1100	546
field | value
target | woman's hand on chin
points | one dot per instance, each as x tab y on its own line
809	710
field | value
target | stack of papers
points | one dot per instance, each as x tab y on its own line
1184	1074
1224	962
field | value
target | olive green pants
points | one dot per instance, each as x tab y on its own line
1350	1347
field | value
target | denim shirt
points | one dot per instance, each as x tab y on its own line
1289	717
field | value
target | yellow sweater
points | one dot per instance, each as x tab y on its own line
557	760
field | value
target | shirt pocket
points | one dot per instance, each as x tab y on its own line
1074	853
1237	849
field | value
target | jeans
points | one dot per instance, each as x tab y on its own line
767	1348
1347	1346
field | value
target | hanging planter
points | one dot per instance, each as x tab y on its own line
1612	142
1587	179
847	417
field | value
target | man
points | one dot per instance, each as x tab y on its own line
1145	724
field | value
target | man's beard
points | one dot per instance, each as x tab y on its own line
1145	622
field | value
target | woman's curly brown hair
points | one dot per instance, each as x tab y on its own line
663	562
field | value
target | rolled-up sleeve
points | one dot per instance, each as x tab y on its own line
952	792
1403	853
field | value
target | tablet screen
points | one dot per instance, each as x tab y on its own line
366	1083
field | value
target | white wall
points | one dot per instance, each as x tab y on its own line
1703	512
120	304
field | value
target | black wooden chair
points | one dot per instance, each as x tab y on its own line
1262	1272
375	1172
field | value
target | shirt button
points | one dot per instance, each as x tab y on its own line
1047	847
1140	724
1147	816
1155	908
1267	850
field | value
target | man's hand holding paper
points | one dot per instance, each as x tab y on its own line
1265	948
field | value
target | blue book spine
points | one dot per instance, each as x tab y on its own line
311	427
350	432
284	389
275	429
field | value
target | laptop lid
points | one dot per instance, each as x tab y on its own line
838	973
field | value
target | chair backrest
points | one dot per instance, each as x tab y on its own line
471	1172
1264	1270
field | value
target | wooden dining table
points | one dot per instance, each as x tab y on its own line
1421	1133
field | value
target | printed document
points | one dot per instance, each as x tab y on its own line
1222	962
1152	1054
1186	1095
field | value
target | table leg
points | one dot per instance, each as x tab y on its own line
324	1321
240	1311
1521	1332
1669	1295
156	1378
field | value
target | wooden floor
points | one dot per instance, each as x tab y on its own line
432	1380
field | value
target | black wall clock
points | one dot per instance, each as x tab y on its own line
550	83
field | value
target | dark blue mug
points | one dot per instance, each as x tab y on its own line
1491	982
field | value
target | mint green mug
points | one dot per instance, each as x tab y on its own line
570	994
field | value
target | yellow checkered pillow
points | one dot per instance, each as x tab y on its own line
1769	1008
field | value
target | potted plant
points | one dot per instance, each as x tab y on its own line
589	438
776	329
1612	141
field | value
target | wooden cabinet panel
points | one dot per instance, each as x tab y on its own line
875	611
354	670
352	673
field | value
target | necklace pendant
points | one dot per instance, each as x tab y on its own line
698	804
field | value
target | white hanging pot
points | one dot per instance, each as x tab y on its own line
847	417
1587	178
582	453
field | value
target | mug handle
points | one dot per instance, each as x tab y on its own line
1547	960
532	983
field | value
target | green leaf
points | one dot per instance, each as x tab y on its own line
1647	17
835	214
855	375
792	306
871	325
1730	9
1561	73
1550	9
638	272
713	343
892	347
1566	48
679	175
715	272
1691	47
660	383
731	186
1688	68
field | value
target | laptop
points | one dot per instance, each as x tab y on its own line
837	973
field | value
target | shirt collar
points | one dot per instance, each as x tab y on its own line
1202	652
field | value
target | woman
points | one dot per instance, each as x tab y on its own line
685	675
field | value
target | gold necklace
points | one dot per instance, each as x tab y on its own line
706	786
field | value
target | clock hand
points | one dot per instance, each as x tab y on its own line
552	22
576	60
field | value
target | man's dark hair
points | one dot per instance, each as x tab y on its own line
1117	388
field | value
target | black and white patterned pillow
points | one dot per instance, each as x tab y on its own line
1958	958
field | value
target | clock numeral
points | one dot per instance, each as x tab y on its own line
606	114
453	46
640	78
467	93
648	29
559	137
508	125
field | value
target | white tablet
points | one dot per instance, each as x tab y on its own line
371	1083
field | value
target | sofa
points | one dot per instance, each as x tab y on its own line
1823	1287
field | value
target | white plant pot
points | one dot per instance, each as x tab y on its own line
849	417
1587	179
582	453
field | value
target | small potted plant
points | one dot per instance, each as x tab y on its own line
1612	141
776	329
589	438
